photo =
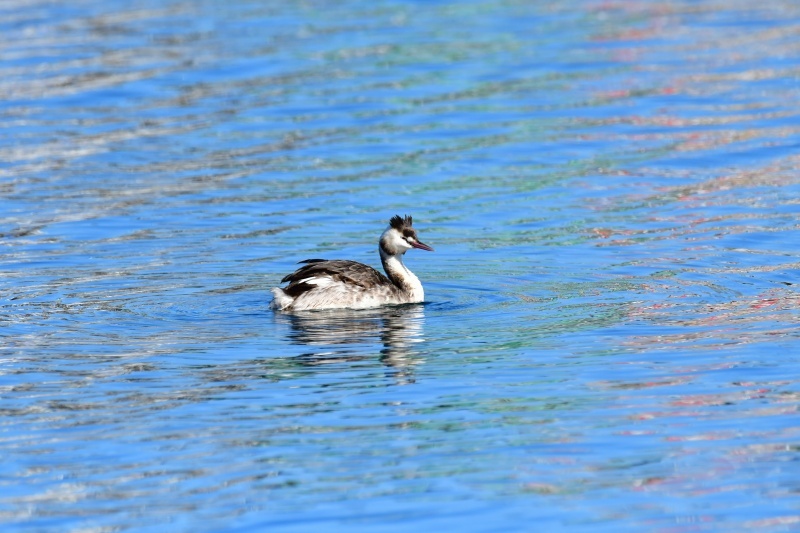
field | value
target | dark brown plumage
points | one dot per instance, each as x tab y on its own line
340	270
400	223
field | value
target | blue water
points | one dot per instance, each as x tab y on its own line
610	335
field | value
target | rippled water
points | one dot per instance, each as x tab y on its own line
610	340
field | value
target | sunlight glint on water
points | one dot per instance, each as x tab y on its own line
610	334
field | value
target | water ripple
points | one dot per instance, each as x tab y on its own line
611	311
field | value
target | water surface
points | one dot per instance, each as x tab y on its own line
610	335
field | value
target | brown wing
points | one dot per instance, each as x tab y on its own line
349	272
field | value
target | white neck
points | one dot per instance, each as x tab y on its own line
402	277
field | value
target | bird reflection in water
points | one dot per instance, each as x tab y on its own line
347	335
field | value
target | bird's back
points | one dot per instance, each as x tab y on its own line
321	284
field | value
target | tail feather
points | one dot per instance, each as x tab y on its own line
281	300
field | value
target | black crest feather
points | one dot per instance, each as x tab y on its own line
399	223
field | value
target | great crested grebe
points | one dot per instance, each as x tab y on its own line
322	284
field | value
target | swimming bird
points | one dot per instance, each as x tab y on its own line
323	284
